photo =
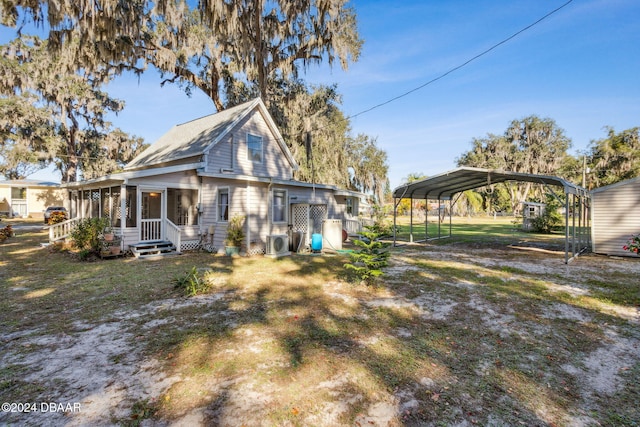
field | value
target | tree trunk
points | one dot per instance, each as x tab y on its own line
262	78
71	174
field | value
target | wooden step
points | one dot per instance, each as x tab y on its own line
153	249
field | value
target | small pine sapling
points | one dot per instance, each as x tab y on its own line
367	263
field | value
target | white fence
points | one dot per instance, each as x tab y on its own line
62	230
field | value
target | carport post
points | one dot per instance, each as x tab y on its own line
566	229
573	214
450	213
395	211
411	220
580	223
426	219
439	218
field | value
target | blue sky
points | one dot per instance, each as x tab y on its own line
580	67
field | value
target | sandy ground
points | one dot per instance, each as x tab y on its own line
79	369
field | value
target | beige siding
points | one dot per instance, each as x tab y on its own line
615	216
231	153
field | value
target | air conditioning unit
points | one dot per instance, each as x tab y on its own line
277	245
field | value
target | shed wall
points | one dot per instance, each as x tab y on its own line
615	217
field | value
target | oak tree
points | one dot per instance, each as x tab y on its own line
530	145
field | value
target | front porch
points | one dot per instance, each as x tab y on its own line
174	238
138	215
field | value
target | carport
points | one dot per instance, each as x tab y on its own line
448	186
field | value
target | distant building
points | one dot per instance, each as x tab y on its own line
25	198
530	211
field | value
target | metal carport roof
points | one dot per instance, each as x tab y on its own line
445	185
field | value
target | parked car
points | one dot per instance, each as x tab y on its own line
51	209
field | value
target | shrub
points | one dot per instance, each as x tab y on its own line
633	244
84	254
86	234
57	217
367	263
192	283
235	231
5	233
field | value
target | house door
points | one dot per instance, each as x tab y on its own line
152	216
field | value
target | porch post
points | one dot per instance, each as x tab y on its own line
123	208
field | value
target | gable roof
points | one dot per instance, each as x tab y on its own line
198	136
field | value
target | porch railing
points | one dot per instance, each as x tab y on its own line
174	235
62	230
151	229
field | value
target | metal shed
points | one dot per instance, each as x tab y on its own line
615	216
449	185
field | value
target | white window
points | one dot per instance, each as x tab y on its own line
349	205
254	148
223	204
279	206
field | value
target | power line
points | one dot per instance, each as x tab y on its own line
443	75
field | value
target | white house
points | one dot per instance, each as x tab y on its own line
200	174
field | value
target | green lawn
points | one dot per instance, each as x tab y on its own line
487	328
502	230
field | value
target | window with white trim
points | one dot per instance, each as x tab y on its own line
223	204
254	148
279	205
